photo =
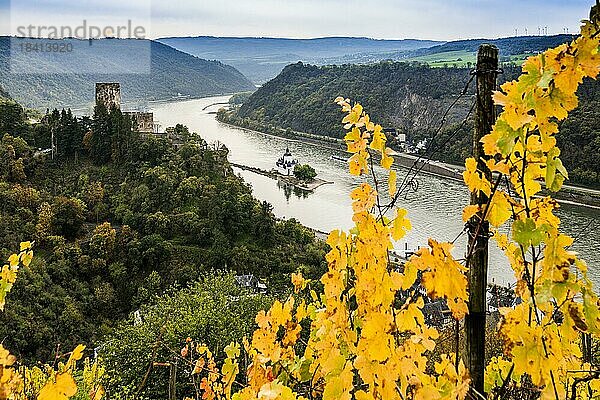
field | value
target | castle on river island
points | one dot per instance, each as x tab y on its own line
285	165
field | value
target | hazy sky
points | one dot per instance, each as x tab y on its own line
394	19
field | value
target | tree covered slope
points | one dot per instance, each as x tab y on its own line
118	218
58	80
410	97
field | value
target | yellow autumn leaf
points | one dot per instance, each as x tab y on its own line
474	179
232	350
353	116
400	225
97	394
202	348
500	209
411	318
358	164
367	124
502	139
355	141
62	388
516	111
298	281
373	336
75	356
379	139
392	183
13	260
501	167
443	276
8	274
469	211
362	395
364	198
386	159
26	258
275	391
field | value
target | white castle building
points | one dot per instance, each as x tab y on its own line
285	165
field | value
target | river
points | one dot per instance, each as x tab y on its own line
434	208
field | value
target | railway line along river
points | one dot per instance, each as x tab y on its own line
434	208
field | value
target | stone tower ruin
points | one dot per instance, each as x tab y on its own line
108	94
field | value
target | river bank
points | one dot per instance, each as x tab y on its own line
404	160
316	140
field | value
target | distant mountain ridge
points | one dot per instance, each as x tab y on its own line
170	73
261	59
460	53
317	47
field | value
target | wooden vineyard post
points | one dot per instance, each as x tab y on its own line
477	261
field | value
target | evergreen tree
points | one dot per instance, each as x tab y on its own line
100	140
121	135
13	120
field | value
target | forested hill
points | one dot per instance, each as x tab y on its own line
506	46
407	96
261	59
410	97
58	80
117	219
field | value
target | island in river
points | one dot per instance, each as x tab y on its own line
288	179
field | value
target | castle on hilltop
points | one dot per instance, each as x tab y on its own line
108	94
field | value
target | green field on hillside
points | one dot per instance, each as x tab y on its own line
461	59
448	58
